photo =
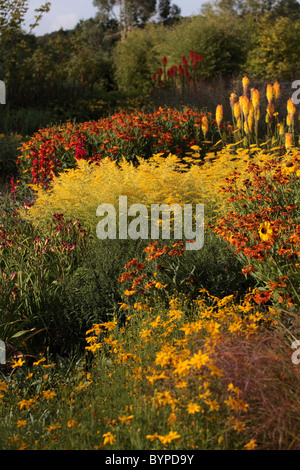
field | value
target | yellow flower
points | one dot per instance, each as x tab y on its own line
21	422
109	438
48	394
18	363
251	445
71	423
193	408
169	437
126	419
204	125
129	292
265	231
152	437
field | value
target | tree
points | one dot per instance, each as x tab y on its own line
256	9
12	15
135	13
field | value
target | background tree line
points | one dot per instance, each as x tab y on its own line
119	49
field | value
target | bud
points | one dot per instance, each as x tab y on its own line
245	85
276	89
251	109
270	110
236	110
250	122
219	114
269	93
255	98
281	128
288	140
291	108
204	125
233	98
244	101
289	120
164	61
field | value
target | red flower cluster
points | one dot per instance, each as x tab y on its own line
124	134
185	71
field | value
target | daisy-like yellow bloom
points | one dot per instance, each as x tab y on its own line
21	422
129	292
265	231
71	423
125	419
18	363
152	437
26	403
109	438
169	437
193	408
48	394
251	445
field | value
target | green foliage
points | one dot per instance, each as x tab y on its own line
137	57
9	145
221	41
276	52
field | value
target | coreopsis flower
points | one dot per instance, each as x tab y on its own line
251	445
108	438
219	114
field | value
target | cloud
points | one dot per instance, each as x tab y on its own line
67	21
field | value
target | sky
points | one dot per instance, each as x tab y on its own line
67	13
